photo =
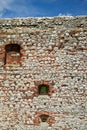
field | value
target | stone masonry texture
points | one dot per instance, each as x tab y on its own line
53	51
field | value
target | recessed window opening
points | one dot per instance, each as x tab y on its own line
44	118
43	89
12	47
12	54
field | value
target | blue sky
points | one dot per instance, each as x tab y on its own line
42	8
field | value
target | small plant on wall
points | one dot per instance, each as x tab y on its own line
43	89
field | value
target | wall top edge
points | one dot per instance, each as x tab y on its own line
36	22
63	17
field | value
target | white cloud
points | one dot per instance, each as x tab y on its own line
67	14
19	8
22	10
4	4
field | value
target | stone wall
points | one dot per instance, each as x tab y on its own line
53	52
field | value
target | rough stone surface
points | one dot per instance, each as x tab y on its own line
54	52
